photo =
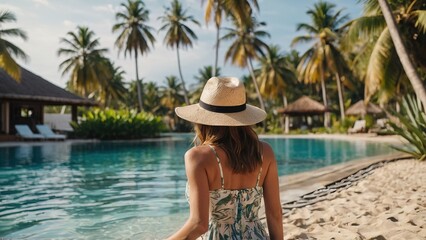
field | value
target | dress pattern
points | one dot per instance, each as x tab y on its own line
234	213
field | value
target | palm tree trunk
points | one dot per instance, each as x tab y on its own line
341	100
324	99
185	93
84	90
406	62
286	118
138	86
250	67
217	50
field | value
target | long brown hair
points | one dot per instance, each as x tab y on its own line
241	145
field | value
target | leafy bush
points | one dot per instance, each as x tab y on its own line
273	124
117	124
322	130
342	127
369	121
412	127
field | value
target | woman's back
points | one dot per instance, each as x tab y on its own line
227	181
235	199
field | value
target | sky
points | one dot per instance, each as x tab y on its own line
47	21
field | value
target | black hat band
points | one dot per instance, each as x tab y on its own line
222	109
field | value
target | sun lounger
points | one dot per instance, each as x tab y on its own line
359	126
25	132
48	133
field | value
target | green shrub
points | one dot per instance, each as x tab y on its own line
322	130
369	121
273	124
412	127
117	124
299	131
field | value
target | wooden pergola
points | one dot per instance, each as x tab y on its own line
23	102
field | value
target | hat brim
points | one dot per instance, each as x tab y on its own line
196	114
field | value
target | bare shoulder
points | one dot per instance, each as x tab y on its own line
268	153
198	156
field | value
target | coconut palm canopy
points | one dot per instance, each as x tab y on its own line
360	108
304	106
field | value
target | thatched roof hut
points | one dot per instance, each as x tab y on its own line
360	108
23	102
303	106
35	88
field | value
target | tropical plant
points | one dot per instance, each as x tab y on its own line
135	36
85	61
178	34
215	9
275	74
412	127
152	98
117	124
324	58
113	90
385	73
171	94
8	50
406	62
246	45
131	98
171	97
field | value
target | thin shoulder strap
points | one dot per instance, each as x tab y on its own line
222	181
260	173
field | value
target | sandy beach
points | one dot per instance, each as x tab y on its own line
388	203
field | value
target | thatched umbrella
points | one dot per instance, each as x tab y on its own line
303	106
360	108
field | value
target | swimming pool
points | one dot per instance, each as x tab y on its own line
123	189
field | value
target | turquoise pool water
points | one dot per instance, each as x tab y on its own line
123	189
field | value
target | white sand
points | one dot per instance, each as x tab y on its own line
388	204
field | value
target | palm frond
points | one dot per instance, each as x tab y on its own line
412	127
377	64
10	66
421	20
365	27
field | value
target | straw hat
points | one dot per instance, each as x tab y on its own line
222	103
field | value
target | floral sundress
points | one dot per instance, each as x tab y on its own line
234	213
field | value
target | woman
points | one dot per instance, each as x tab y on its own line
229	170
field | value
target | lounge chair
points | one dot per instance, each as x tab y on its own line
359	126
25	132
47	132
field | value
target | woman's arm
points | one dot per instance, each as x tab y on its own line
271	195
197	224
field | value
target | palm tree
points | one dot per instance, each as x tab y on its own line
215	9
246	46
113	89
385	72
8	49
275	74
323	58
85	61
178	34
152	98
409	68
171	97
131	98
135	35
